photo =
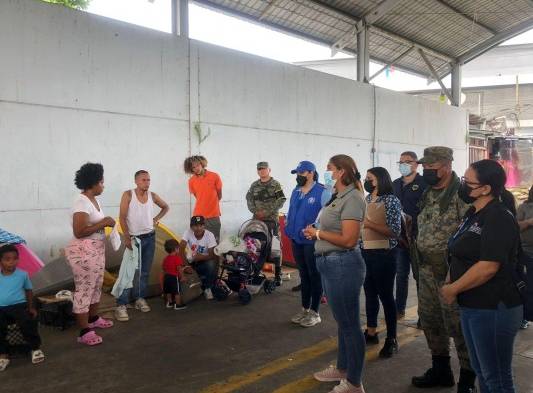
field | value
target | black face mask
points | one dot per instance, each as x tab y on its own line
301	180
430	177
464	193
369	187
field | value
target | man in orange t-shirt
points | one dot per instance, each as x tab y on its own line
206	187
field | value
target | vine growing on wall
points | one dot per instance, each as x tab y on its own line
199	133
76	4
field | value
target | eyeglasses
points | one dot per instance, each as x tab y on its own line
463	180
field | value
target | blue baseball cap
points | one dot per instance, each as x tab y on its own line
304	166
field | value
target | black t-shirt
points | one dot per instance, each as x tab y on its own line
491	235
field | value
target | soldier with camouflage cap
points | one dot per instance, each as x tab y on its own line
441	212
265	198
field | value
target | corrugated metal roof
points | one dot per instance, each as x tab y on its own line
446	30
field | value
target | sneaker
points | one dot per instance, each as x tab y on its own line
311	319
347	387
297	288
169	305
140	304
208	294
3	364
300	316
400	315
37	356
121	314
179	306
330	374
524	324
371	339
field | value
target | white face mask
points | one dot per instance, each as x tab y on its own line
329	181
405	169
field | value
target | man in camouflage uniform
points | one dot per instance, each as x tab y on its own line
265	197
441	212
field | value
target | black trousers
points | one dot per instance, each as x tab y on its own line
18	313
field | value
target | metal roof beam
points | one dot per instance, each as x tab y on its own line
391	63
473	20
434	73
380	10
393	36
295	33
494	41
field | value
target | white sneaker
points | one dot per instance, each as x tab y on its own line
140	304
311	319
347	387
121	314
37	356
300	316
169	305
208	294
3	364
330	374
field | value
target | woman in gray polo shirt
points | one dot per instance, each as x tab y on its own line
341	265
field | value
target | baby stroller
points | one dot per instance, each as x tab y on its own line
243	257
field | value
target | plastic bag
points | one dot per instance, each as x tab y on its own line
114	237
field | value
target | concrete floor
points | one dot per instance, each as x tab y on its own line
222	347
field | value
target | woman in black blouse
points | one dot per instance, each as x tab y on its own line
483	253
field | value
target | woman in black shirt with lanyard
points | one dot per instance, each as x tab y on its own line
483	253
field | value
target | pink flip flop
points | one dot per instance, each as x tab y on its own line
90	338
101	323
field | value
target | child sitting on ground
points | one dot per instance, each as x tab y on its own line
16	305
173	269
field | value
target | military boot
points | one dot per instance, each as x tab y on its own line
440	374
467	381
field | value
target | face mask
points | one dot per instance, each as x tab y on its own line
431	177
369	187
464	193
405	169
301	180
329	181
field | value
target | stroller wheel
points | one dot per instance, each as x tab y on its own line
244	296
269	286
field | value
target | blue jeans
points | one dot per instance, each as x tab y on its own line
379	285
140	282
403	268
304	254
207	271
342	278
489	336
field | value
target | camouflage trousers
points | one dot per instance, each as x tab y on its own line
439	320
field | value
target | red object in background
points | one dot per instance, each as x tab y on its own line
286	244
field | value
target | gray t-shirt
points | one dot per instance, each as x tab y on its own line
348	205
525	212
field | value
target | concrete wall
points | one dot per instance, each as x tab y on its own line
76	87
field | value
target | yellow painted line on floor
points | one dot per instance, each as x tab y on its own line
307	383
291	360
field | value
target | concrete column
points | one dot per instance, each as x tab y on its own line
363	64
456	84
180	17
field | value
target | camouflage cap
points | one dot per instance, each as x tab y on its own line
435	154
262	165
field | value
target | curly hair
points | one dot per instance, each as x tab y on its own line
89	175
189	161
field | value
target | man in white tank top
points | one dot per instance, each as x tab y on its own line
137	219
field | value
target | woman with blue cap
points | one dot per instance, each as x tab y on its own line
305	204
